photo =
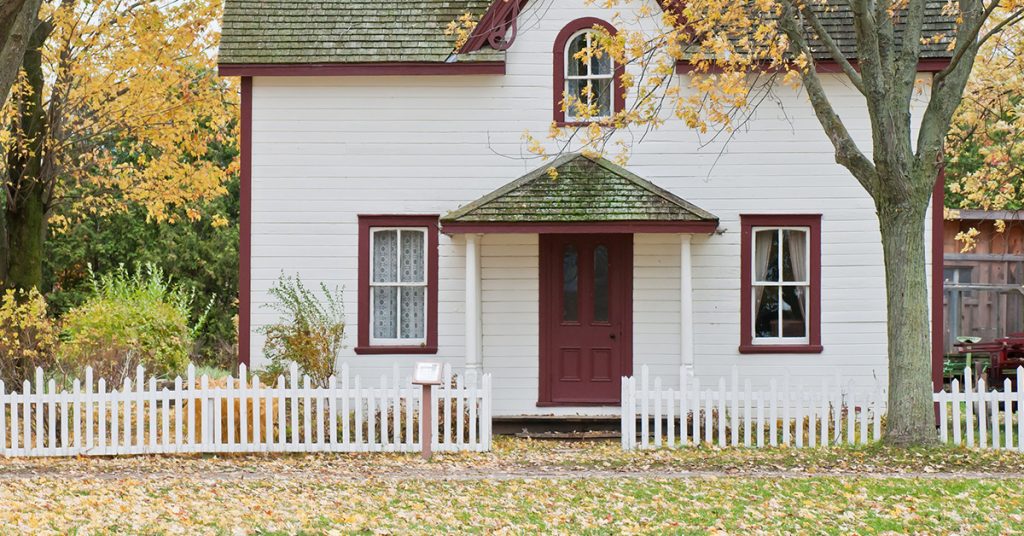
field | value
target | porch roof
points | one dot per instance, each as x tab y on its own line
584	194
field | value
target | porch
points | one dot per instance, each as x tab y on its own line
574	273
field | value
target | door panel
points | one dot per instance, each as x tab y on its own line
586	318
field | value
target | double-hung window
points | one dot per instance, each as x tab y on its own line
398	282
781	284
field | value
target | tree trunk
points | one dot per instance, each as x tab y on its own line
4	247
18	19
911	418
26	232
26	212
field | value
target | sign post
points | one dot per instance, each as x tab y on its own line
427	374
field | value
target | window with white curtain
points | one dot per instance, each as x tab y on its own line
781	285
398	285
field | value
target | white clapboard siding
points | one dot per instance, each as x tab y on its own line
238	415
327	149
972	414
734	414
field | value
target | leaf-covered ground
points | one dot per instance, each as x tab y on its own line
523	487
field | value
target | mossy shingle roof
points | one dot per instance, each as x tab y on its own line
363	31
343	31
837	18
584	189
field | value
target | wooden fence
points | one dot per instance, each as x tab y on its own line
803	416
785	414
241	415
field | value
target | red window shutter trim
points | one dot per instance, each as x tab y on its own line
747	223
367	222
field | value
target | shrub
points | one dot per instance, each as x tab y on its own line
130	320
28	337
312	332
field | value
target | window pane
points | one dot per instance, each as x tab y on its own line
385	256
385	312
601	284
603	97
794	312
570	305
574	66
412	256
766	312
413	312
794	255
576	94
601	65
766	256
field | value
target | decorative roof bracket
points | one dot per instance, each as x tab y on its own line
497	27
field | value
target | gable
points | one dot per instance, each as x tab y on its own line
583	190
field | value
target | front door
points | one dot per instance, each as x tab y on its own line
586	318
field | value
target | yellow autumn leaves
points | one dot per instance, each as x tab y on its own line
135	107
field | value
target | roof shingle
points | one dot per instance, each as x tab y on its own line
585	190
343	31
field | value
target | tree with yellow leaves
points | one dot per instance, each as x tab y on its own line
739	52
112	96
985	146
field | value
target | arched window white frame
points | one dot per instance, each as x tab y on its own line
598	75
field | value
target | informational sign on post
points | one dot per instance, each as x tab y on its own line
427	373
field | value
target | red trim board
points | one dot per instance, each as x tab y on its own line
587	227
938	322
830	66
362	69
245	224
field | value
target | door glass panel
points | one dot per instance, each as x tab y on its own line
570	285
601	284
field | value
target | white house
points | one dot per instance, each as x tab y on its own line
378	159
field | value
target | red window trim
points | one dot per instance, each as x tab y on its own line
747	223
366	222
559	69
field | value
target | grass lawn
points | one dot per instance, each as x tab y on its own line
523	488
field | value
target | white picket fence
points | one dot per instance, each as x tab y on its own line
806	416
978	417
240	415
788	413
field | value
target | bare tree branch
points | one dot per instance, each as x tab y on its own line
18	20
833	48
974	14
846	151
906	67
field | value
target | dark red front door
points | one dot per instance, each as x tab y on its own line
586	316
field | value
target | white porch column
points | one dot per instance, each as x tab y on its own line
474	338
686	303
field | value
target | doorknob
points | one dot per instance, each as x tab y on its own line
612	335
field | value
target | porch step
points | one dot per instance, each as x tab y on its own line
571	436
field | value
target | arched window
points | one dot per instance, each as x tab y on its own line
595	83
